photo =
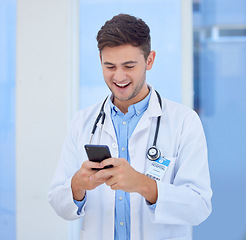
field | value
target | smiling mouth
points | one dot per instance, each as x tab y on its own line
123	85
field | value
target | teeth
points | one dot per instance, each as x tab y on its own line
121	85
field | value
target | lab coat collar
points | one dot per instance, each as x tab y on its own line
108	124
154	109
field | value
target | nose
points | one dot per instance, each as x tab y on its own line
119	75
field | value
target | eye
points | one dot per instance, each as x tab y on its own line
110	67
127	66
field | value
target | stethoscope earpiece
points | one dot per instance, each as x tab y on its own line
153	153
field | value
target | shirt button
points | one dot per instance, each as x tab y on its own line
120	198
138	112
123	149
114	145
121	223
124	123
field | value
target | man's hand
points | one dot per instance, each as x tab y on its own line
122	176
81	180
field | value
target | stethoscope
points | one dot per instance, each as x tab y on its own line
153	152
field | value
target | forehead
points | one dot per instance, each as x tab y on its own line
122	54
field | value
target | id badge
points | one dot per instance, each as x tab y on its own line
158	168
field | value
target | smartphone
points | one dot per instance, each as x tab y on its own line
98	153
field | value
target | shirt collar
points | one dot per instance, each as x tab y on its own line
137	108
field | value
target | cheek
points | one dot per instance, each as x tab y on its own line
139	74
138	77
106	75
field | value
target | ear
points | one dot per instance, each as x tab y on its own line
150	60
100	56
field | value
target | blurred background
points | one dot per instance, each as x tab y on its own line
49	68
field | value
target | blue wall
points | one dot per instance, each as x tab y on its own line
222	12
221	92
7	119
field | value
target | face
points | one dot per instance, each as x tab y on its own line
124	70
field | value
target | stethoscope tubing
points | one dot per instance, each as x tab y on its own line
153	152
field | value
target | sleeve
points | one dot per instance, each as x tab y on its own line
151	206
60	193
187	200
80	204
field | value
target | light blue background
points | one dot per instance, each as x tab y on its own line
7	119
221	91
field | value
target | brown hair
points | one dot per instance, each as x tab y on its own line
125	29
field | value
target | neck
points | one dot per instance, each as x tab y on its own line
123	105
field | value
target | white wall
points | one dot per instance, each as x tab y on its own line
187	53
44	100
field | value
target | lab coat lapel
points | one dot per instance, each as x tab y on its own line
139	141
108	126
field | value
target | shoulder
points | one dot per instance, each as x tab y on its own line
178	112
176	108
86	115
91	110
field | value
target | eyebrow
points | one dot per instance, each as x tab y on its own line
125	63
129	62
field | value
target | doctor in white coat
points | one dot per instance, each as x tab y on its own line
164	206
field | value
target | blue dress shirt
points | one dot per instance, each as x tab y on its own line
124	125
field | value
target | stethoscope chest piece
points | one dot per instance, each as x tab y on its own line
153	153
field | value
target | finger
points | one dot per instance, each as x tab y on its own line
111	181
111	161
90	164
100	175
99	181
114	186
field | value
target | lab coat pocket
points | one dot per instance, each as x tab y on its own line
170	172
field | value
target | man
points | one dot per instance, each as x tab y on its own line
137	198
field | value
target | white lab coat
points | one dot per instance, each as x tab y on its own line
184	195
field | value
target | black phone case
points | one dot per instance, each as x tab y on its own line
98	153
